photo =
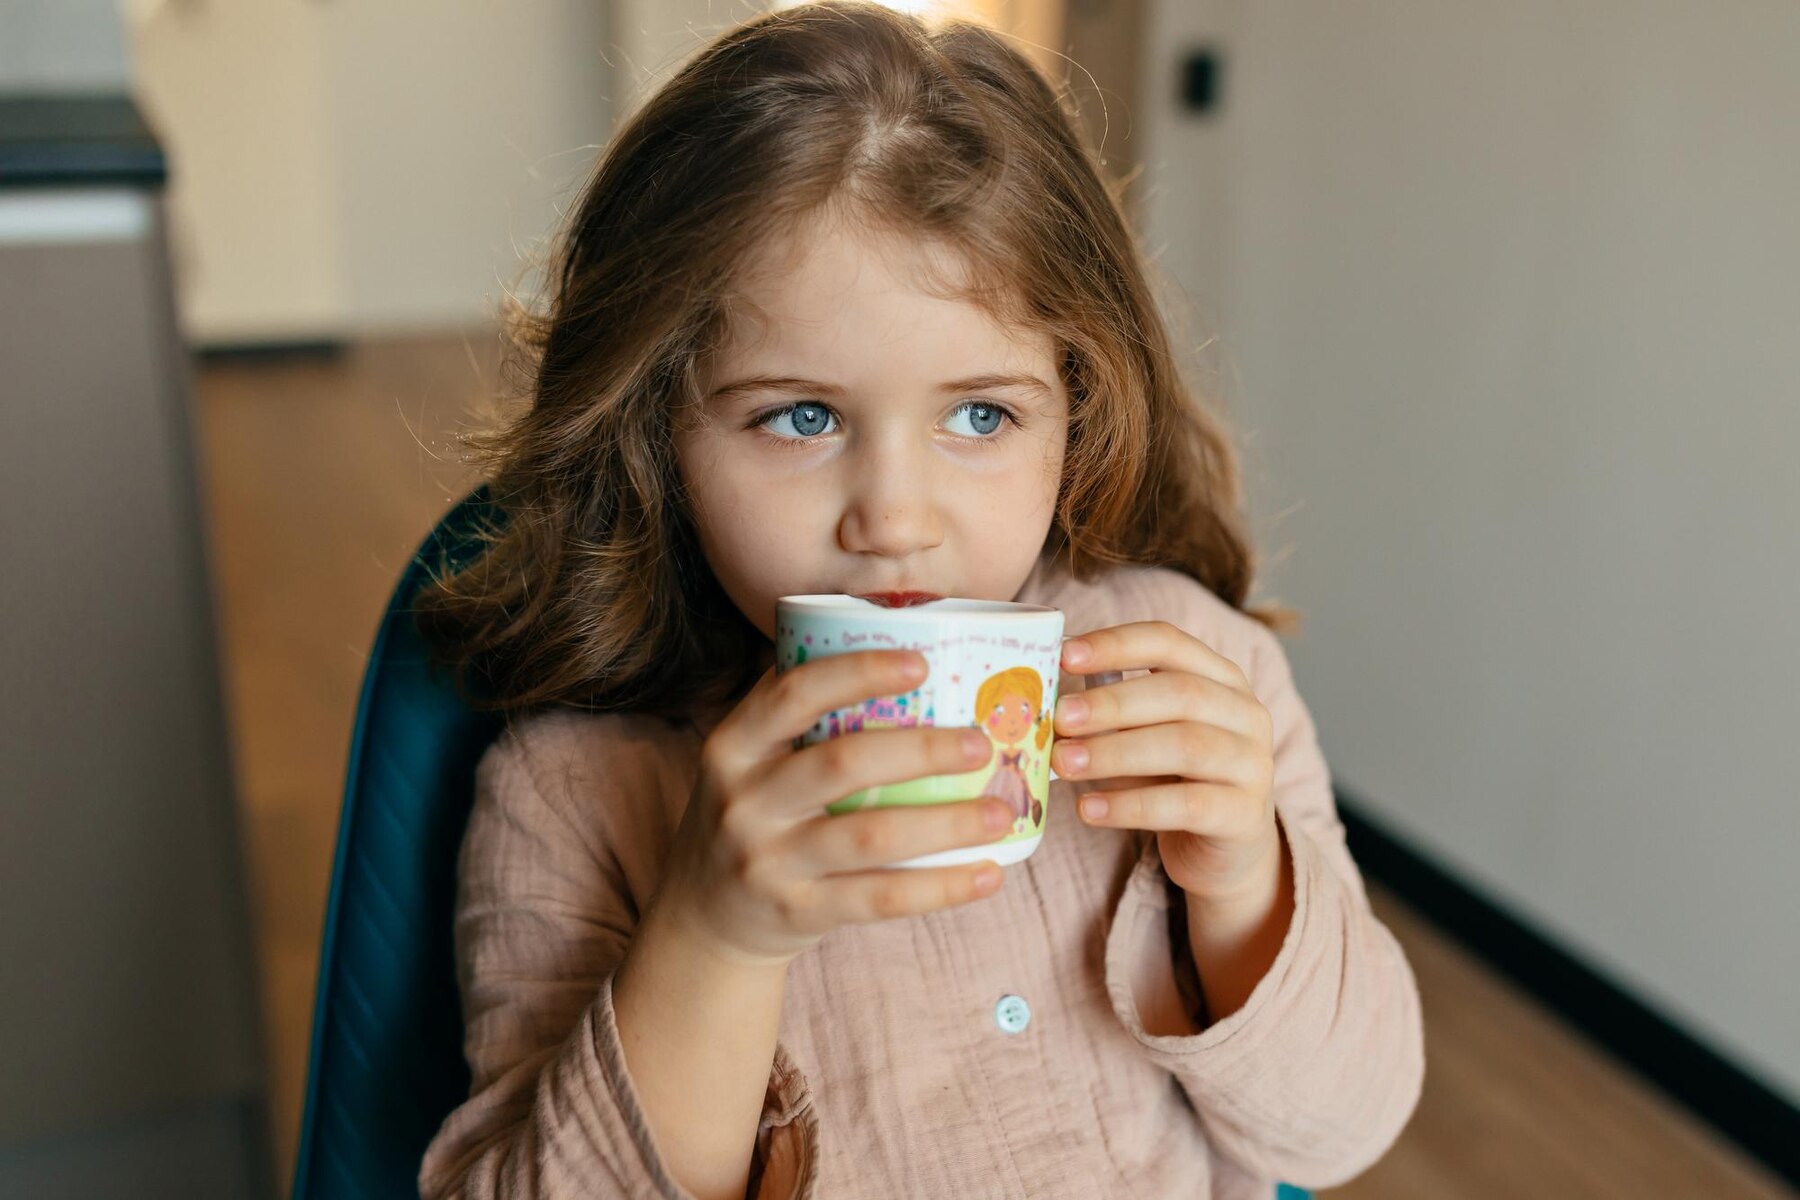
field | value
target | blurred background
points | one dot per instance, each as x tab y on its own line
1502	300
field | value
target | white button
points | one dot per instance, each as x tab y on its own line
1012	1014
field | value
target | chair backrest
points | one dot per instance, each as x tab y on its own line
387	1063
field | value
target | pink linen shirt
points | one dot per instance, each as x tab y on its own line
906	1066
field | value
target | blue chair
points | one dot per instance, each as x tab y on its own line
387	1065
387	1062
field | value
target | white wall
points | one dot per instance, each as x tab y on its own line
1511	294
344	169
62	46
458	133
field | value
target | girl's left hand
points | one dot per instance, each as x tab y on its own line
1187	751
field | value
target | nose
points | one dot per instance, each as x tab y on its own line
890	508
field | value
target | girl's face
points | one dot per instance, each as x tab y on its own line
1010	719
859	434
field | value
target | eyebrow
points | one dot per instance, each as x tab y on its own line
789	383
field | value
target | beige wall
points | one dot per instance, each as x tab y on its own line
459	133
233	91
654	36
1508	294
347	169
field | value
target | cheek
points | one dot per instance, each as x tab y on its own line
760	529
757	539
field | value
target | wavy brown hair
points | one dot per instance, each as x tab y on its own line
590	590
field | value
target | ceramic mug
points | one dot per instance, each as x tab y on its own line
993	665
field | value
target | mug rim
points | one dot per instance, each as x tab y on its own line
839	604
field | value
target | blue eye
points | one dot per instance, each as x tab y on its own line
984	418
808	420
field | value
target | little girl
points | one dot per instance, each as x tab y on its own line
847	308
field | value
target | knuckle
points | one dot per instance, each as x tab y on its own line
872	838
787	690
734	819
788	908
1253	763
1197	807
739	844
740	861
836	756
819	762
888	899
715	757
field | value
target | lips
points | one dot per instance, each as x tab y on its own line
899	599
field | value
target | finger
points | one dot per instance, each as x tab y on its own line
1186	749
1208	809
784	705
1149	645
907	892
861	841
1156	699
826	772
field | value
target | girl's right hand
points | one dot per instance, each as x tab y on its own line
760	870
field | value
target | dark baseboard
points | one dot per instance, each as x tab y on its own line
274	351
1714	1089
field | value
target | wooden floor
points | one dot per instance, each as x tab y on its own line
320	476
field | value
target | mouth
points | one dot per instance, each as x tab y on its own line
899	599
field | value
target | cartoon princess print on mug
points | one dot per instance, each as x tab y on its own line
1010	708
993	665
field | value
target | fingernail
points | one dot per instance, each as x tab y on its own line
987	879
996	816
1074	710
1074	756
1093	807
1076	652
914	667
975	744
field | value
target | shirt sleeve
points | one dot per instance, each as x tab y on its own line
1313	1079
543	920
